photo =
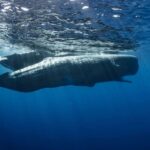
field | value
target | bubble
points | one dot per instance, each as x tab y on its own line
24	9
85	7
116	16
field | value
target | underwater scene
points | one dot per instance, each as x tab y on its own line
74	75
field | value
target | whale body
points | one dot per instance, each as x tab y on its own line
84	70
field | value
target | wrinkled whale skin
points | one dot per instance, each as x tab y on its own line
72	70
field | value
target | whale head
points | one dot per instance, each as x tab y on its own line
126	65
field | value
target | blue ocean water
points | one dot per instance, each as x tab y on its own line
108	116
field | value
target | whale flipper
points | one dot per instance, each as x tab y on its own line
91	84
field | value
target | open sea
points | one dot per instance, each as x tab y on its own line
109	116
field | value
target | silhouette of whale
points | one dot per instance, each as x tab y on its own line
48	72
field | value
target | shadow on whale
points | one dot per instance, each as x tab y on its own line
85	70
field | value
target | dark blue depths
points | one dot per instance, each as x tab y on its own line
109	116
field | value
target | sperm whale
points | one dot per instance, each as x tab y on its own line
84	70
